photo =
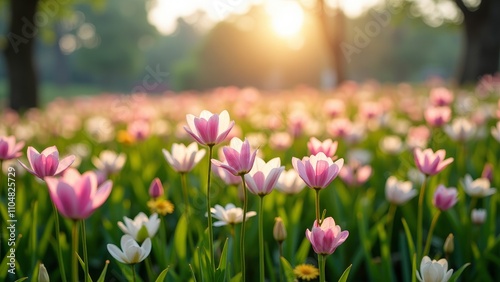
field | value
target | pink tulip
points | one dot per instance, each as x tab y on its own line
354	174
209	129
326	238
9	149
47	162
263	176
239	160
431	163
77	196
225	175
317	171
438	116
156	188
328	147
445	198
441	96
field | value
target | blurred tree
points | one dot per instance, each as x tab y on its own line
124	35
333	29
27	17
481	53
22	32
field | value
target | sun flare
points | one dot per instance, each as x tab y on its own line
287	18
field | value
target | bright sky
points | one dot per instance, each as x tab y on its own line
286	15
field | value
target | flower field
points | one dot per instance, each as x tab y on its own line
365	183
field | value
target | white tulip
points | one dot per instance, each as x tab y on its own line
478	188
183	159
290	182
141	227
109	162
399	192
131	252
434	271
229	214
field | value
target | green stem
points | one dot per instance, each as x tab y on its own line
243	224
85	255
431	230
390	220
280	246
149	268
261	238
59	250
321	261
185	193
420	219
473	203
133	271
186	209
210	228
163	239
318	219
74	252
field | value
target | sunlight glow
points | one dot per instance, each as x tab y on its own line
287	17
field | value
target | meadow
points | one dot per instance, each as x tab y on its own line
385	192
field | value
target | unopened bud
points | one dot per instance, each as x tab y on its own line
156	188
279	230
43	275
487	172
449	245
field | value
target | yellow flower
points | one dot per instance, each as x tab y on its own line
161	206
306	272
124	137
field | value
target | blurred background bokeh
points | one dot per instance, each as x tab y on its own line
153	46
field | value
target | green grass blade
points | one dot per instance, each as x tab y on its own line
344	276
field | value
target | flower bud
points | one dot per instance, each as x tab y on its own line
156	188
43	275
449	245
279	230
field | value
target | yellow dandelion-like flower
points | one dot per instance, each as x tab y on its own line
124	137
306	272
161	206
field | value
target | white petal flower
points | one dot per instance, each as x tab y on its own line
399	192
478	188
434	271
290	182
141	227
229	214
183	159
109	162
131	252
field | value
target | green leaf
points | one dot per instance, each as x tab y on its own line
220	272
344	276
180	236
303	251
103	273
455	275
414	268
287	269
192	272
163	274
82	264
409	238
236	278
21	279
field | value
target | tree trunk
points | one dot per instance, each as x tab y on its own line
334	36
23	90
481	53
